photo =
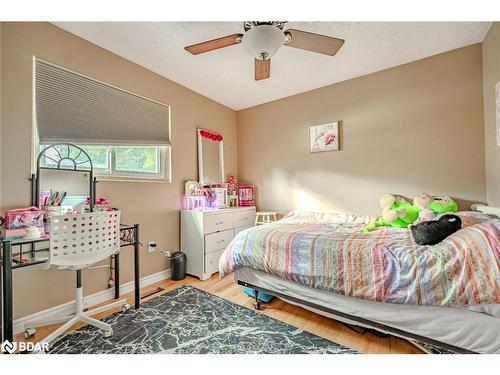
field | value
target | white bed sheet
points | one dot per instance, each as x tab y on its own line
476	328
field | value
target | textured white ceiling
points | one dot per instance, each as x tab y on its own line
226	75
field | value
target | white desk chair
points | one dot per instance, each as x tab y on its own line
76	242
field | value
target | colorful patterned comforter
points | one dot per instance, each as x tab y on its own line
331	252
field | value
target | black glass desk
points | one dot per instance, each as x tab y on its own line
129	235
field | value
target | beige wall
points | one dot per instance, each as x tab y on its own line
491	75
153	205
415	127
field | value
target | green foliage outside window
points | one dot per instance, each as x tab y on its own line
98	155
136	159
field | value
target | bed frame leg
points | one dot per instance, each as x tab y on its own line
258	303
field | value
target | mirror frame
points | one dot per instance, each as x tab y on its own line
200	156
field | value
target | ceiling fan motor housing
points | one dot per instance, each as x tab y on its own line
263	41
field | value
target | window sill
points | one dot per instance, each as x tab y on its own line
131	179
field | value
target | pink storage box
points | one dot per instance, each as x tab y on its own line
246	196
23	218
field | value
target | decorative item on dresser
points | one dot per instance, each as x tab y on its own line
206	234
246	195
232	191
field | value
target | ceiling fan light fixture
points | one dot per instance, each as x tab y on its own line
263	41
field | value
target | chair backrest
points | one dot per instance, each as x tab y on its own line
80	240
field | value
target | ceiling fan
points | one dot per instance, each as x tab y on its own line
263	39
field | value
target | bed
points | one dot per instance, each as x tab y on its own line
446	295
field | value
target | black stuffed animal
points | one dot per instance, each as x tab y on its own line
434	231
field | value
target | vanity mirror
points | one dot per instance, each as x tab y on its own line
210	157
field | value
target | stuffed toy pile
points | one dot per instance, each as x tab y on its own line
397	212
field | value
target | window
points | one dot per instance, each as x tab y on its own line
126	135
124	162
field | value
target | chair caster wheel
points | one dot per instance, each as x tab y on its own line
257	305
108	333
29	332
125	307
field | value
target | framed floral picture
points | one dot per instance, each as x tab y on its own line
497	101
324	137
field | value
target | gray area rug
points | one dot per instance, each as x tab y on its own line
188	320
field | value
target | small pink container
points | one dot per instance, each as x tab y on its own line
23	218
246	195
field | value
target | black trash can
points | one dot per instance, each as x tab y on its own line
178	265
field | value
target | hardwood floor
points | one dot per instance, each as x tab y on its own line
291	314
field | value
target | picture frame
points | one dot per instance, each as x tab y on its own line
246	196
324	137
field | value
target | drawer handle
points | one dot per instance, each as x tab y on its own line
245	218
219	223
220	241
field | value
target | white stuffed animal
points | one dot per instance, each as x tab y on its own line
422	202
389	212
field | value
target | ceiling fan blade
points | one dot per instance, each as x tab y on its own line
213	44
327	45
262	69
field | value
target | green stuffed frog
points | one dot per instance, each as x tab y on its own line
443	204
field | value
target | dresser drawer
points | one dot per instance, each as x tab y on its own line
212	261
218	241
217	222
237	230
244	218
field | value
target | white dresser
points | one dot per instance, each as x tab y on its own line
205	235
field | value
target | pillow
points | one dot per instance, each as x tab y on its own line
472	217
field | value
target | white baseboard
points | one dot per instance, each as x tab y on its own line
68	308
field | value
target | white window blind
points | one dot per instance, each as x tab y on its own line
70	107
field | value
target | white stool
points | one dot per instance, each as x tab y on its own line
265	217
